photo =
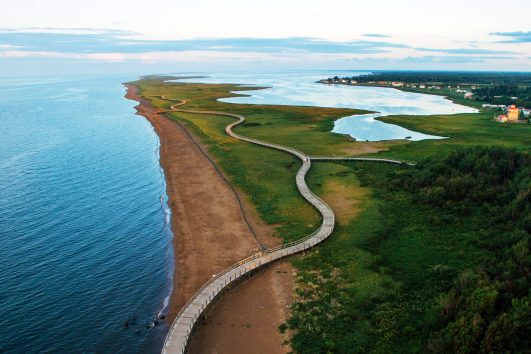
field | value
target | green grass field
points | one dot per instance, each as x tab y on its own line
463	130
376	284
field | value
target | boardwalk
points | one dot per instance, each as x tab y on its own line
361	159
181	329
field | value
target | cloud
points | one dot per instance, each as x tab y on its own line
464	51
104	57
456	59
149	57
97	40
68	30
514	37
376	35
85	40
8	46
115	46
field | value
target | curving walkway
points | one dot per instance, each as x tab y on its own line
181	328
361	159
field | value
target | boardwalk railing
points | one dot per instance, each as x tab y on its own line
361	159
181	328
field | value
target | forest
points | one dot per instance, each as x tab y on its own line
492	87
501	94
449	77
444	256
487	308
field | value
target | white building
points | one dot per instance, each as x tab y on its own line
488	105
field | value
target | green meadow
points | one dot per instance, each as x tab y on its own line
408	269
463	130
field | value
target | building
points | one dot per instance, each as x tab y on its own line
397	84
513	113
488	105
502	118
468	95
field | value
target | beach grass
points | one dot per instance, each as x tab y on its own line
266	176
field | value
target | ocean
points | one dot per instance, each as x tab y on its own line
85	241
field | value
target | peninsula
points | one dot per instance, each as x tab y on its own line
246	147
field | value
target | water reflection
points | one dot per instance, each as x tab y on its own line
300	89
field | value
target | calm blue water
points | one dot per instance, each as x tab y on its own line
84	237
300	88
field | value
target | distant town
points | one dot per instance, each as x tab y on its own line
490	92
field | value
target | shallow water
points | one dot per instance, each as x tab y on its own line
84	235
300	88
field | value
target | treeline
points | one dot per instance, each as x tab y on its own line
439	263
449	77
488	307
492	95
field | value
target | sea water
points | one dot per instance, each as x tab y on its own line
300	88
85	244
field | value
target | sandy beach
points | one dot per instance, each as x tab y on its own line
246	319
210	234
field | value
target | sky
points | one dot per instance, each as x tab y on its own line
160	36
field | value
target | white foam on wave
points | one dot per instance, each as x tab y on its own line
169	256
169	260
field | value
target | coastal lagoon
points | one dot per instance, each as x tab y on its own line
85	243
301	89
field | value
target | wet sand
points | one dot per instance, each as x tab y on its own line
210	234
262	305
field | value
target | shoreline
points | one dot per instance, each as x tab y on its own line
188	316
236	310
209	230
451	99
